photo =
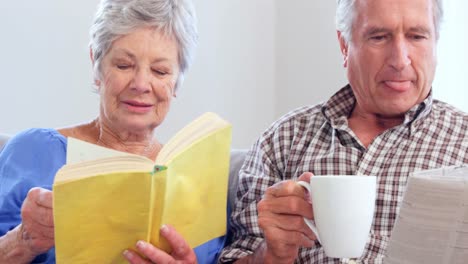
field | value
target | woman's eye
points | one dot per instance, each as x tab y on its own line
123	66
159	72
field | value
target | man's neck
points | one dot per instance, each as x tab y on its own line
368	126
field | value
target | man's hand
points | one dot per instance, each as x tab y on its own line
280	216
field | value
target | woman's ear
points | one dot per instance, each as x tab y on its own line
91	56
173	86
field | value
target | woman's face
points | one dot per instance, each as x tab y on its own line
138	78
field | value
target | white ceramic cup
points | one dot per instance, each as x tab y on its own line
343	210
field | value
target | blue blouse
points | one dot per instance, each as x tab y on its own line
31	159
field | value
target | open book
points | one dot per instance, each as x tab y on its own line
432	225
105	200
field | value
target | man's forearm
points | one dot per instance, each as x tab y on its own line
12	250
259	256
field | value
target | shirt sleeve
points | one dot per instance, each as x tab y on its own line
30	159
259	171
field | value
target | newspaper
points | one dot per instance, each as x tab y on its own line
432	225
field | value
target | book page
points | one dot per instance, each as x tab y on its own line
432	225
79	151
86	160
202	126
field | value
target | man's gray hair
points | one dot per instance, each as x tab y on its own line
346	14
116	18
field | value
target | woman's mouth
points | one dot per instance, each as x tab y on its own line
137	107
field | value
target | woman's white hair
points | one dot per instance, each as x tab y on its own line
346	14
116	18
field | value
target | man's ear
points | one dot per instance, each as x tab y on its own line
343	48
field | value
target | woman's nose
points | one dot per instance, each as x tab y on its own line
141	81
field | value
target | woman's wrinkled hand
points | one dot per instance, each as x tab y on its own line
181	251
36	231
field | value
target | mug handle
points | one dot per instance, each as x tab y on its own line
309	222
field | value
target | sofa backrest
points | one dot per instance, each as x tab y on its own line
237	159
3	139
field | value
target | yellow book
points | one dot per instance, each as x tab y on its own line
105	200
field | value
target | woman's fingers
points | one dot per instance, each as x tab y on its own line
181	251
180	248
134	258
154	254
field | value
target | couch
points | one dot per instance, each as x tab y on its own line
237	158
3	139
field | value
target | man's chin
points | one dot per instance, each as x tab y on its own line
395	111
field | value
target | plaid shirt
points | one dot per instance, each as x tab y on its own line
318	139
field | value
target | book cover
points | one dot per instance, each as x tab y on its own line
105	200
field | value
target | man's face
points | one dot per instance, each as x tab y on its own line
391	57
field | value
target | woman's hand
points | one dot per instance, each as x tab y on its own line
181	251
37	227
35	234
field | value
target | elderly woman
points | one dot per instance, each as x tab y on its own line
140	50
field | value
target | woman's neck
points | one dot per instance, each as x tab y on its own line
143	144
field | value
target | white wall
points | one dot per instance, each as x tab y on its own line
256	60
233	73
451	82
45	68
46	73
309	65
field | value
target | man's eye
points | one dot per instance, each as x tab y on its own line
378	38
418	37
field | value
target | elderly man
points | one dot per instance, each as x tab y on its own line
384	123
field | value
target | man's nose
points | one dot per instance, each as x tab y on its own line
399	54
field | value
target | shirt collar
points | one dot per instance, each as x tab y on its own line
339	107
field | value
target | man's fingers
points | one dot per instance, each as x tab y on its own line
281	239
291	205
284	222
289	187
285	188
305	176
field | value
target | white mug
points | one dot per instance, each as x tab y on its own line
343	210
